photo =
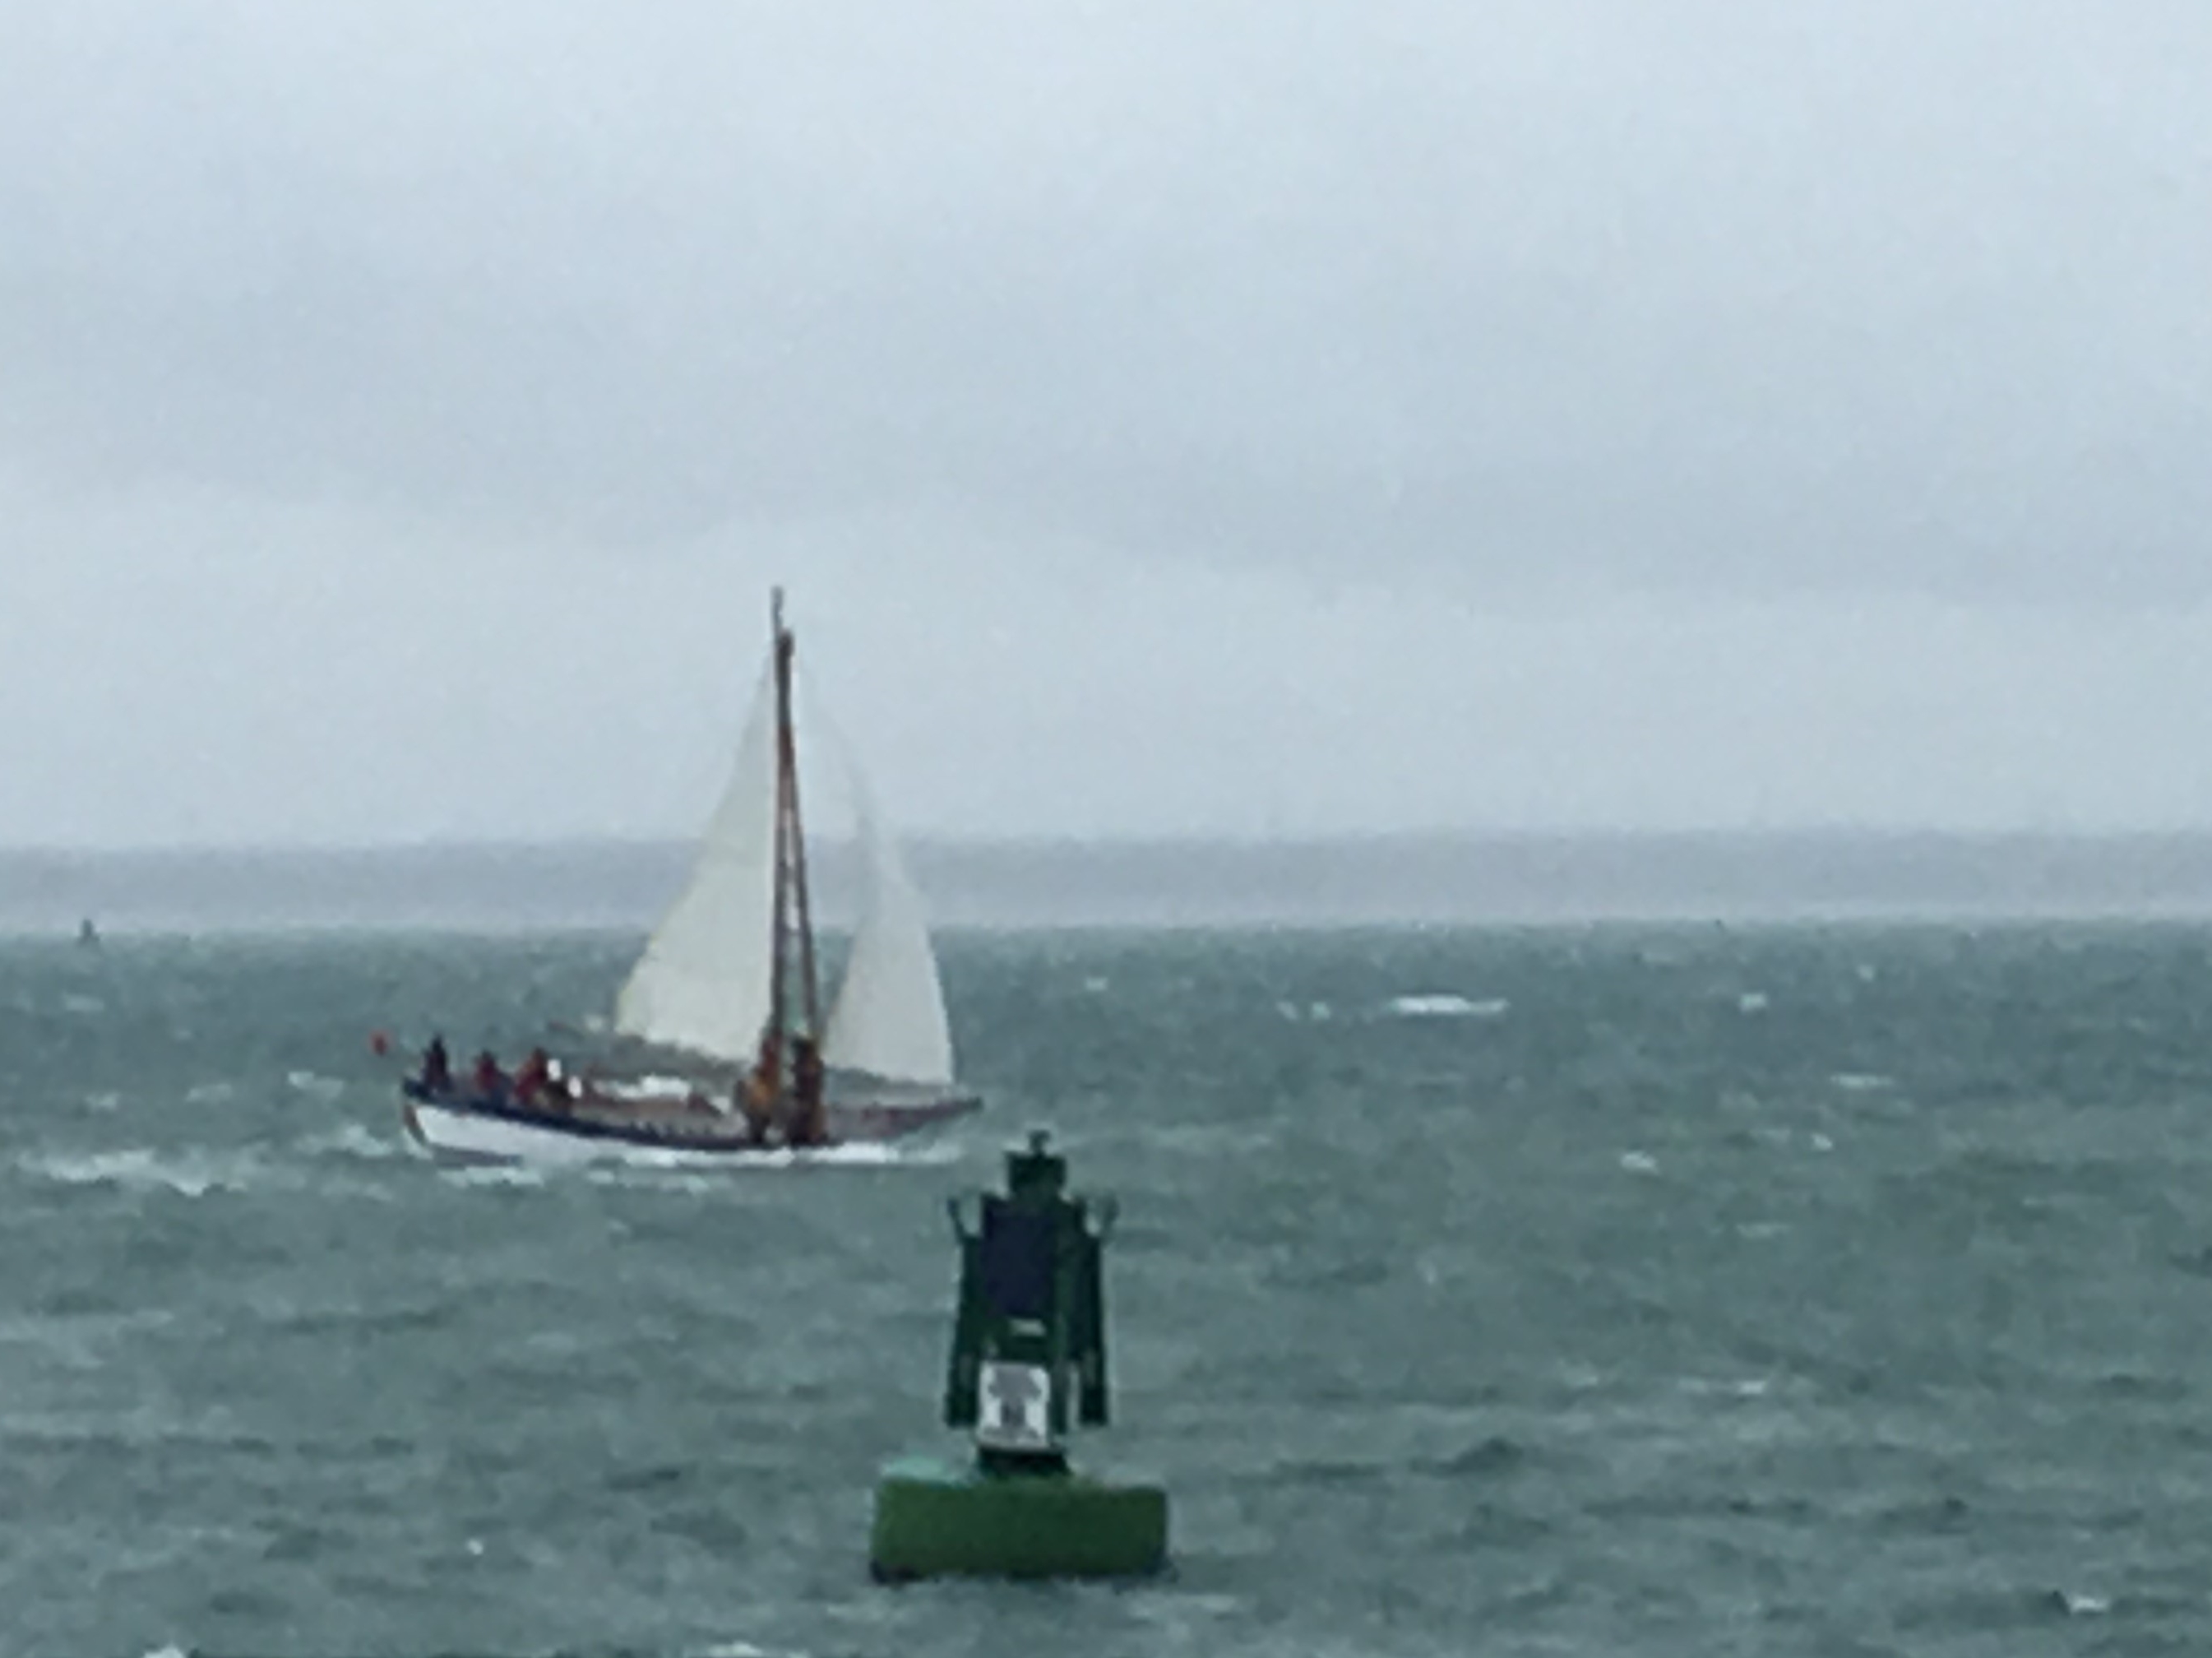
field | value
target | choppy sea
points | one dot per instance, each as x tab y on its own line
1599	1291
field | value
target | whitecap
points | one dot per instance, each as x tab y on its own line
1639	1163
1742	1388
321	1088
1861	1082
1751	1001
1443	1004
494	1174
143	1169
1095	983
73	1003
353	1140
208	1093
1318	1011
1290	1011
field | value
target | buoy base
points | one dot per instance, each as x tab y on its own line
935	1520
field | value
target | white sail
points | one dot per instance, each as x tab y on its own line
889	1020
703	982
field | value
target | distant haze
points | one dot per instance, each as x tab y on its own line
1279	422
1424	881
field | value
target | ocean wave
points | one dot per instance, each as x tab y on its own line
193	1171
354	1140
2074	1605
80	1339
141	1168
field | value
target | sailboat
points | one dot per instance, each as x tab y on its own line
727	995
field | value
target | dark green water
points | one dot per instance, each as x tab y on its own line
1636	1315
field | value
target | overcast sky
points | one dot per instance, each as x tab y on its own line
1248	418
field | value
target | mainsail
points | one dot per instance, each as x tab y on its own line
703	981
706	982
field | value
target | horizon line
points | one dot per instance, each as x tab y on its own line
1176	840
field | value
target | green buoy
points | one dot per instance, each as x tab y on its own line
1027	1361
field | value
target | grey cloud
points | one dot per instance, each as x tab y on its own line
1858	297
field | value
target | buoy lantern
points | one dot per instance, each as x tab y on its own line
1028	1363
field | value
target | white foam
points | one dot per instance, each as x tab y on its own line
141	1169
1861	1082
1741	1387
1751	1001
195	1172
352	1139
317	1087
1639	1163
495	1173
1443	1004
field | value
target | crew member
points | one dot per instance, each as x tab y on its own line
437	1068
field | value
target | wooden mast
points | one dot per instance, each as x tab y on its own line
775	993
793	906
787	763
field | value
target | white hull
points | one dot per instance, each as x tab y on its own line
473	1137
